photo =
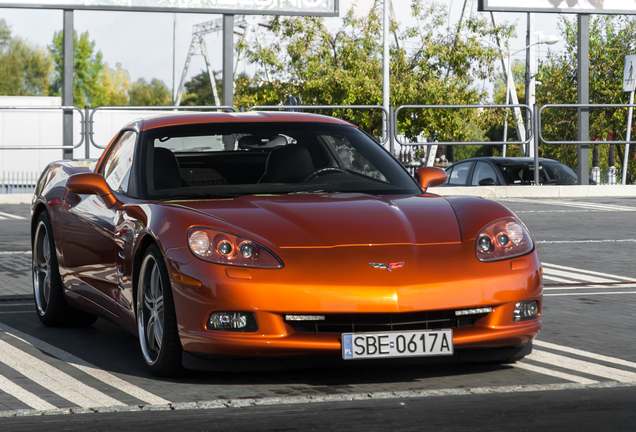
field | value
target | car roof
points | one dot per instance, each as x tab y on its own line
500	159
175	119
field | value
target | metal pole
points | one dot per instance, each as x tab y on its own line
87	132
175	89
530	81
534	144
228	57
583	150
505	134
628	136
386	81
67	82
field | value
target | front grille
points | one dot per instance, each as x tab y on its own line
374	322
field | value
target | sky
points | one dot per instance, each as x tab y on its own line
143	42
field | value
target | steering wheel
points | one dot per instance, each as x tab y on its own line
321	171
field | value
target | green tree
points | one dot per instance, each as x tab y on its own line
24	70
156	93
88	87
345	67
611	37
198	91
116	84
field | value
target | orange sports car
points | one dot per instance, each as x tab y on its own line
242	235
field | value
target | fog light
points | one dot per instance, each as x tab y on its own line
232	321
525	311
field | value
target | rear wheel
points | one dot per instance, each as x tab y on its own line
48	291
156	317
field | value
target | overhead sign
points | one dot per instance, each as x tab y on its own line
629	73
242	7
618	7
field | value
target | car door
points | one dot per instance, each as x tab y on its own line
91	232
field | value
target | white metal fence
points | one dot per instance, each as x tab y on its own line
18	182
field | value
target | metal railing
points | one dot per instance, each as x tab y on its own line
390	128
453	143
64	110
90	121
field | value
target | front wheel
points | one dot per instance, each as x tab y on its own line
50	304
156	317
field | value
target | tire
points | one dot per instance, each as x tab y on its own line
156	318
48	291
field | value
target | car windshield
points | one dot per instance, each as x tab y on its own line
550	172
244	158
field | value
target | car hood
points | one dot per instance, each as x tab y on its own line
329	220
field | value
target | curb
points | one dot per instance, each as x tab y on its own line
16	198
491	192
502	192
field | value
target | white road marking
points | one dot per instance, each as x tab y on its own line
575	276
589	286
15	252
582	366
577	204
86	367
589	293
24	396
581	353
585	241
610	276
553	373
53	379
555	279
10	216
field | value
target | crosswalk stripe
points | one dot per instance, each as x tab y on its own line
590	272
575	276
555	279
590	293
581	353
576	204
587	287
86	367
553	373
24	396
10	216
582	366
53	379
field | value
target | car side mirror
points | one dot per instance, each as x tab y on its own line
430	176
487	182
91	184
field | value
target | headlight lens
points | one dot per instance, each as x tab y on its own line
230	249
506	238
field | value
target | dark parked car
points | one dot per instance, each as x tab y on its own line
494	171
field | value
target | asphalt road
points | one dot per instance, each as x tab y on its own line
581	375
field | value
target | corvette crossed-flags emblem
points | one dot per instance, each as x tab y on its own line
389	267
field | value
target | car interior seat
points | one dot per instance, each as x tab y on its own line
166	171
287	164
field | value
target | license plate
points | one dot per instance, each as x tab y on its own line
356	346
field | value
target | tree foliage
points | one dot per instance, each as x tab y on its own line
155	93
611	38
344	67
24	70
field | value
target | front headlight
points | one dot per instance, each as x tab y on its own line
223	247
506	238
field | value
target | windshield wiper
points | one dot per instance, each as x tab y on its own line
202	195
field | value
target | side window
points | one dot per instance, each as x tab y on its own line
459	174
483	171
119	163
